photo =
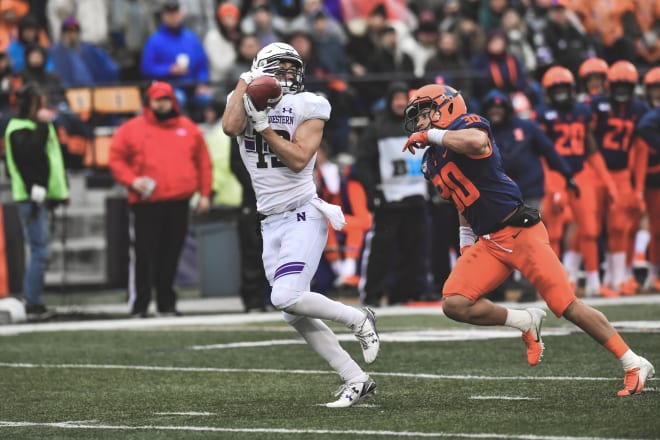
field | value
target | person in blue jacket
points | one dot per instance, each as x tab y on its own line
81	64
175	54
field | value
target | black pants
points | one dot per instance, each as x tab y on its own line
395	256
443	236
160	230
255	291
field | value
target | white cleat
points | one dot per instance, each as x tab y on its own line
351	393
367	335
635	378
532	337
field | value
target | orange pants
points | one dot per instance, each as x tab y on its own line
622	215
353	242
583	211
487	263
652	198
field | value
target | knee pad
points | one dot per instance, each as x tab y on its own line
283	297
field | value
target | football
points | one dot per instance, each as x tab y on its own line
264	91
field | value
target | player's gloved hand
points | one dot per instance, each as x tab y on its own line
640	203
258	118
417	140
267	69
613	194
38	194
466	238
572	185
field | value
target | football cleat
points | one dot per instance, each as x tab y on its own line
351	393
532	337
367	335
633	381
629	287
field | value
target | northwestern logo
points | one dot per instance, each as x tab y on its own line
287	110
301	217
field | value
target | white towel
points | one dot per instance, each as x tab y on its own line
331	212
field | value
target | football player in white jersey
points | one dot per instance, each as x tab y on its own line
278	146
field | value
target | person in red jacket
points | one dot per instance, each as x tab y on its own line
161	157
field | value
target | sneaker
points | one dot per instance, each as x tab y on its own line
367	335
38	311
351	393
633	381
532	337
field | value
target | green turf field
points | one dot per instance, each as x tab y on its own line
210	381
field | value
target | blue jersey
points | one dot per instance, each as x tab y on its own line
613	127
477	185
648	129
521	143
567	129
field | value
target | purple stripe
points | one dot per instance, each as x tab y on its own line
289	268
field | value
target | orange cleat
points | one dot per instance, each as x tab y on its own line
606	292
629	287
633	381
532	337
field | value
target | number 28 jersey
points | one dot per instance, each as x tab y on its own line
277	187
477	185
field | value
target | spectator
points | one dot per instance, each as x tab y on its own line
425	42
226	187
199	15
490	14
260	23
161	157
220	42
396	193
38	181
568	45
11	12
174	53
518	39
390	59
29	34
94	13
329	47
496	68
247	48
362	45
78	63
35	71
6	78
448	63
131	23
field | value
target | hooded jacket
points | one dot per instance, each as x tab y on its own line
172	152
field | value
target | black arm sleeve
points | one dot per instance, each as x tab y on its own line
28	149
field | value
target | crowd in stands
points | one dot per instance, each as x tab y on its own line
353	51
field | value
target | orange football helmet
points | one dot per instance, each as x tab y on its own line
623	78
593	66
559	85
652	86
593	74
442	104
652	77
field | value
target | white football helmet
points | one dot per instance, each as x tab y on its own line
282	52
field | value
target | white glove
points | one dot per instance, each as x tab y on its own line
258	118
268	69
38	194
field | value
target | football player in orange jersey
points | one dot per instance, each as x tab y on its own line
499	232
567	122
593	82
615	117
648	131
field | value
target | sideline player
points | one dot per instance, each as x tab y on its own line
500	232
278	147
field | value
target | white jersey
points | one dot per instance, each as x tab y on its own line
277	187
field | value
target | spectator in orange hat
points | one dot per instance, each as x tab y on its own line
220	42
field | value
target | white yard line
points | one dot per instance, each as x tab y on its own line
359	433
303	372
189	413
502	398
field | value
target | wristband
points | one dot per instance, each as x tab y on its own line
436	136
